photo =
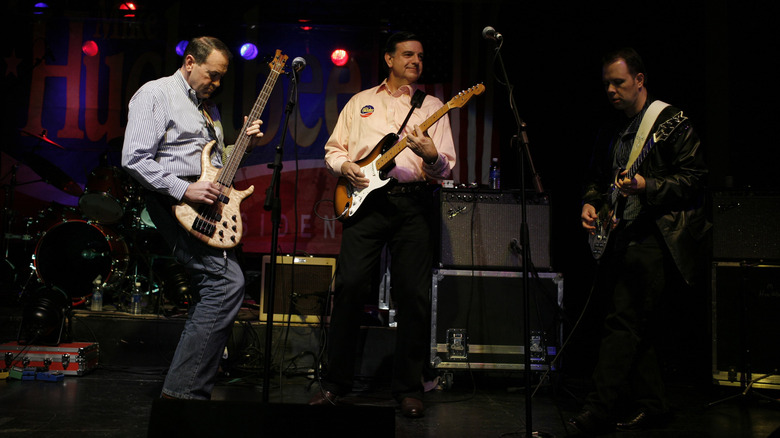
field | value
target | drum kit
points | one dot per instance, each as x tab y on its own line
108	237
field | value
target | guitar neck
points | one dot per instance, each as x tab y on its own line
391	153
228	172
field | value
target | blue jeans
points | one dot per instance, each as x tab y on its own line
219	280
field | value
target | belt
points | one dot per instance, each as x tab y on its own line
191	178
408	188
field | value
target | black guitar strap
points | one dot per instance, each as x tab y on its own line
417	100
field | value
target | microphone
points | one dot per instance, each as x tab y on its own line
298	64
490	33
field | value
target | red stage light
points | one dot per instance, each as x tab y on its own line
90	48
128	6
339	57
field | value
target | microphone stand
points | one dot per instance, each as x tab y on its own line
274	205
520	140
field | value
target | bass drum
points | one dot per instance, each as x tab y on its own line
71	254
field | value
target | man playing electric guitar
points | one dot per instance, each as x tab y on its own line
655	250
170	121
399	218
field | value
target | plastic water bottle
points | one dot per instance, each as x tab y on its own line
135	300
97	294
494	177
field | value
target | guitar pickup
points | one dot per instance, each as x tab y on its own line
223	199
204	227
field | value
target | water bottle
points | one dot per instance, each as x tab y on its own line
135	300
494	177
97	294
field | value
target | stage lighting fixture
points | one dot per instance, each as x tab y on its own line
128	8
181	47
39	8
339	57
45	314
248	51
90	48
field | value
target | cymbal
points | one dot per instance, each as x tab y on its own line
51	174
42	137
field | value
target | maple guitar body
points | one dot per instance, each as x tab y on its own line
219	224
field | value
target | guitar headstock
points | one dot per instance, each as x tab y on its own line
277	64
463	97
666	128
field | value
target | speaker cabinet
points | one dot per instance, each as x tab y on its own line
481	229
745	226
477	319
745	305
301	290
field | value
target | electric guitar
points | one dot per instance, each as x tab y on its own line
614	201
348	199
219	224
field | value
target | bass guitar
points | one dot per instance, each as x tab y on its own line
348	199
219	224
614	202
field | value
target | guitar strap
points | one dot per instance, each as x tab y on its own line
648	121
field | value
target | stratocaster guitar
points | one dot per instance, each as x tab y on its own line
614	201
219	224
348	199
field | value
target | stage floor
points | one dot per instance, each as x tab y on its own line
119	397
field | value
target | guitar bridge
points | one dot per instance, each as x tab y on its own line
203	226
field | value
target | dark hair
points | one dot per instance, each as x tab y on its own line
201	47
633	60
399	37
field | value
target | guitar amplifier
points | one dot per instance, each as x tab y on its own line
481	228
301	289
745	226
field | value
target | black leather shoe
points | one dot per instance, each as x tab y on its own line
412	407
587	423
642	420
323	398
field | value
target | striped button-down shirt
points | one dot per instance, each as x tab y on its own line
165	135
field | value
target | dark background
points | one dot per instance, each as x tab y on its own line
716	60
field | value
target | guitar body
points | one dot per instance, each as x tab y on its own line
348	199
614	201
605	223
219	224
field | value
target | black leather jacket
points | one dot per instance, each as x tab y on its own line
675	175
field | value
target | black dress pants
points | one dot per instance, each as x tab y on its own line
403	223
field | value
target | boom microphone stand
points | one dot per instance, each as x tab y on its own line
520	140
274	205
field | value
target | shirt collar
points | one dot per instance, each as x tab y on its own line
185	87
404	89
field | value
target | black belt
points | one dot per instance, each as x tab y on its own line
408	188
190	179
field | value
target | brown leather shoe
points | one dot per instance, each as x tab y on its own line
323	398
412	407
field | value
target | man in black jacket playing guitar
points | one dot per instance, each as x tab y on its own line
399	218
655	229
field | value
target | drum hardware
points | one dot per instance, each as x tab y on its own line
49	173
105	195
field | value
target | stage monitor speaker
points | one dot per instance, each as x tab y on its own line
481	229
745	226
745	305
241	418
302	288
